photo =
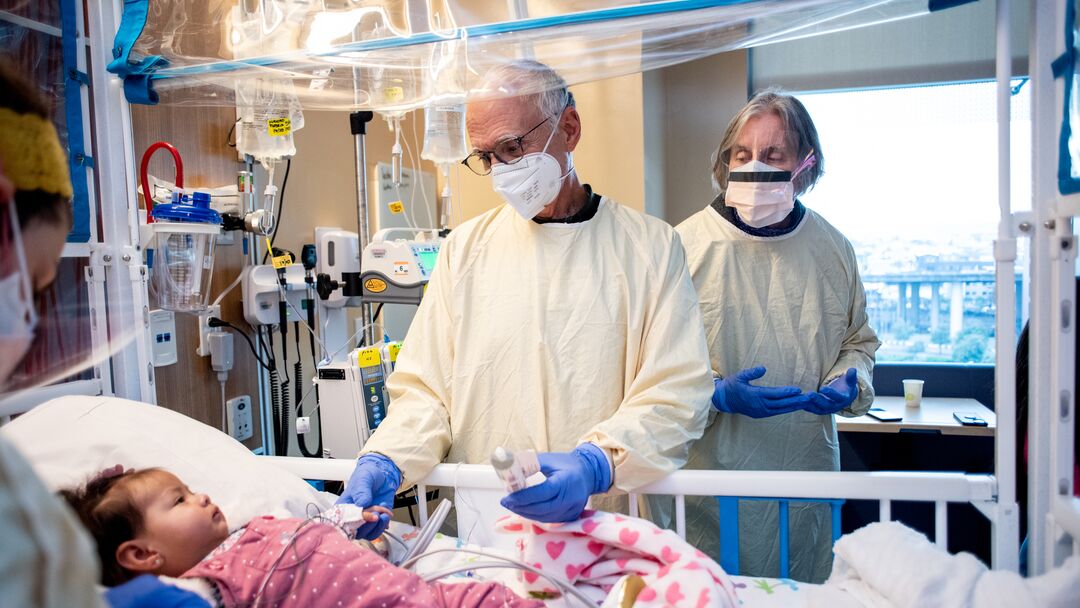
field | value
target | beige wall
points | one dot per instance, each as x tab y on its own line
322	184
688	106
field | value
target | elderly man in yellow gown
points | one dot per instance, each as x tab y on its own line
560	321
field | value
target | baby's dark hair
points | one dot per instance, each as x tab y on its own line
106	507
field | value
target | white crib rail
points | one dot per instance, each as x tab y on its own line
1066	512
886	487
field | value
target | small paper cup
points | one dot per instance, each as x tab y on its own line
913	393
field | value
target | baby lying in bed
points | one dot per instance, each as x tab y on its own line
149	522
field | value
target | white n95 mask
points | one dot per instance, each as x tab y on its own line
760	193
17	329
531	183
19	318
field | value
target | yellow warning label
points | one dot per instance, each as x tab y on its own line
280	261
396	207
375	285
393	94
278	127
369	357
394	349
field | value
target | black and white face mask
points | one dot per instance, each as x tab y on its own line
761	194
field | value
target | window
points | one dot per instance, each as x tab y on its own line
911	180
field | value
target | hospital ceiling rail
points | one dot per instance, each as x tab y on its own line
452	44
885	487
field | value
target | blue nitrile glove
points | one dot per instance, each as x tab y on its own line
572	477
835	395
374	481
735	395
148	591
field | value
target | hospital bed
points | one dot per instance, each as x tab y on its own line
66	443
70	438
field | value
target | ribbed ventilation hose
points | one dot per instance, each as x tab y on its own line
283	440
275	407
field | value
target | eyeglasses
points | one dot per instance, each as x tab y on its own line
507	151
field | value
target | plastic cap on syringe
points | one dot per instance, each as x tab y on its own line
502	459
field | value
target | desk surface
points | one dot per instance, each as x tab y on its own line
934	415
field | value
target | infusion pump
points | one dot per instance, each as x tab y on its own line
396	271
353	399
388	271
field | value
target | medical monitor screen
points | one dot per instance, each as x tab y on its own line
427	259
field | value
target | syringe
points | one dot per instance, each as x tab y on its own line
514	468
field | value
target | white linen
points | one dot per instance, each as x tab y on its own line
888	564
69	439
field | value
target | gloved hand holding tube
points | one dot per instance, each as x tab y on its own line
735	395
373	483
572	477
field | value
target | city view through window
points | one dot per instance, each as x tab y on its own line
911	180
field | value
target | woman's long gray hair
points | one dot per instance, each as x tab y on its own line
802	137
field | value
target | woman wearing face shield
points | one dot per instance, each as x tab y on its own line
47	558
785	319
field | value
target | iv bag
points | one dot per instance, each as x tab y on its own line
269	115
444	134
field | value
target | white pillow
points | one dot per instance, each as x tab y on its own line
69	439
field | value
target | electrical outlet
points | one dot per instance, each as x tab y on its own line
205	329
162	337
239	418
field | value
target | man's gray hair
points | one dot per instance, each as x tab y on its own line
801	132
527	77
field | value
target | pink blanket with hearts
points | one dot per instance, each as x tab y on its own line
598	549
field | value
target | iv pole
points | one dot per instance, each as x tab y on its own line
358	123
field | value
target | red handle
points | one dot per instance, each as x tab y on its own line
147	198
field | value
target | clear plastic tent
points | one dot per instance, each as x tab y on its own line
398	55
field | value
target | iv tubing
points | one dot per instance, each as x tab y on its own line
147	198
563	585
510	563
